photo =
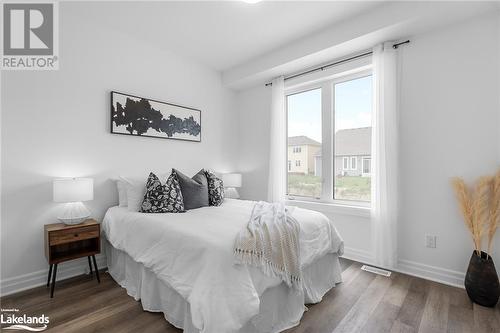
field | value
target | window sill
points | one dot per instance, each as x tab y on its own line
354	209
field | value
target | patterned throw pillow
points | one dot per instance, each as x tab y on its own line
163	198
215	189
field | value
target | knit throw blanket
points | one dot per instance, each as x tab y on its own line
271	242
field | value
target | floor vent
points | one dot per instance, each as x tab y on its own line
376	270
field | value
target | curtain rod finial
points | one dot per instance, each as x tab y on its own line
395	46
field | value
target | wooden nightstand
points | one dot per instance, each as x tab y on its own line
67	242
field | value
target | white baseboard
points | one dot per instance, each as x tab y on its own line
357	255
64	270
427	272
433	273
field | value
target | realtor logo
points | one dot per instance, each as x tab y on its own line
29	36
12	319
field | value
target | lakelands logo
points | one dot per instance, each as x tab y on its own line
30	36
16	321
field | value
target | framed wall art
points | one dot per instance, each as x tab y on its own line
139	116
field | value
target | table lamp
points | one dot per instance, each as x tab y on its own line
231	182
72	191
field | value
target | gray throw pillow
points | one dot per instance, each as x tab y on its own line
194	190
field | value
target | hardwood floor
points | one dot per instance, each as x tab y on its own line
364	302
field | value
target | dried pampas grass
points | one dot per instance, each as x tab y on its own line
465	202
494	210
480	208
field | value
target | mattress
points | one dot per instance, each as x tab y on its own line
192	254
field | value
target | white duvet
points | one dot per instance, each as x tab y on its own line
193	253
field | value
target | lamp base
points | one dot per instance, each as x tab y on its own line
231	193
74	213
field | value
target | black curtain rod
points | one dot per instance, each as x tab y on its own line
322	68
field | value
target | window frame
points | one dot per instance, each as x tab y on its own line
327	86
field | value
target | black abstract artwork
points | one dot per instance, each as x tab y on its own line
132	115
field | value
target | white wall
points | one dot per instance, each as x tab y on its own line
56	124
254	106
449	127
449	124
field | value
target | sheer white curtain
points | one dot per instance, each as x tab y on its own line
277	152
384	212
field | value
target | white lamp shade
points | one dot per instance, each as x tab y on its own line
73	189
231	179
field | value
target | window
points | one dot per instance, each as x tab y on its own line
304	129
353	109
289	165
345	163
328	170
353	163
367	165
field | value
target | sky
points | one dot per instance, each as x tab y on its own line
353	107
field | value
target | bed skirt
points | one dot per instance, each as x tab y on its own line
280	308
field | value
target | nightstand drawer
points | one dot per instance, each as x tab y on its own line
72	235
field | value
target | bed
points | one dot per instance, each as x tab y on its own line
183	266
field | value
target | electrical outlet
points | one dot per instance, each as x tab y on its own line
430	241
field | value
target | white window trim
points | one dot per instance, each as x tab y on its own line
328	128
332	207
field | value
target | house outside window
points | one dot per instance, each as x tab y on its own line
353	110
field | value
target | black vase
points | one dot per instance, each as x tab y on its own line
481	280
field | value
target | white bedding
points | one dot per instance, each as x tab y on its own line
193	253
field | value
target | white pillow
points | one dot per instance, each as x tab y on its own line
121	186
135	189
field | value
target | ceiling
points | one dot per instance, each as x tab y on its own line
392	21
220	34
